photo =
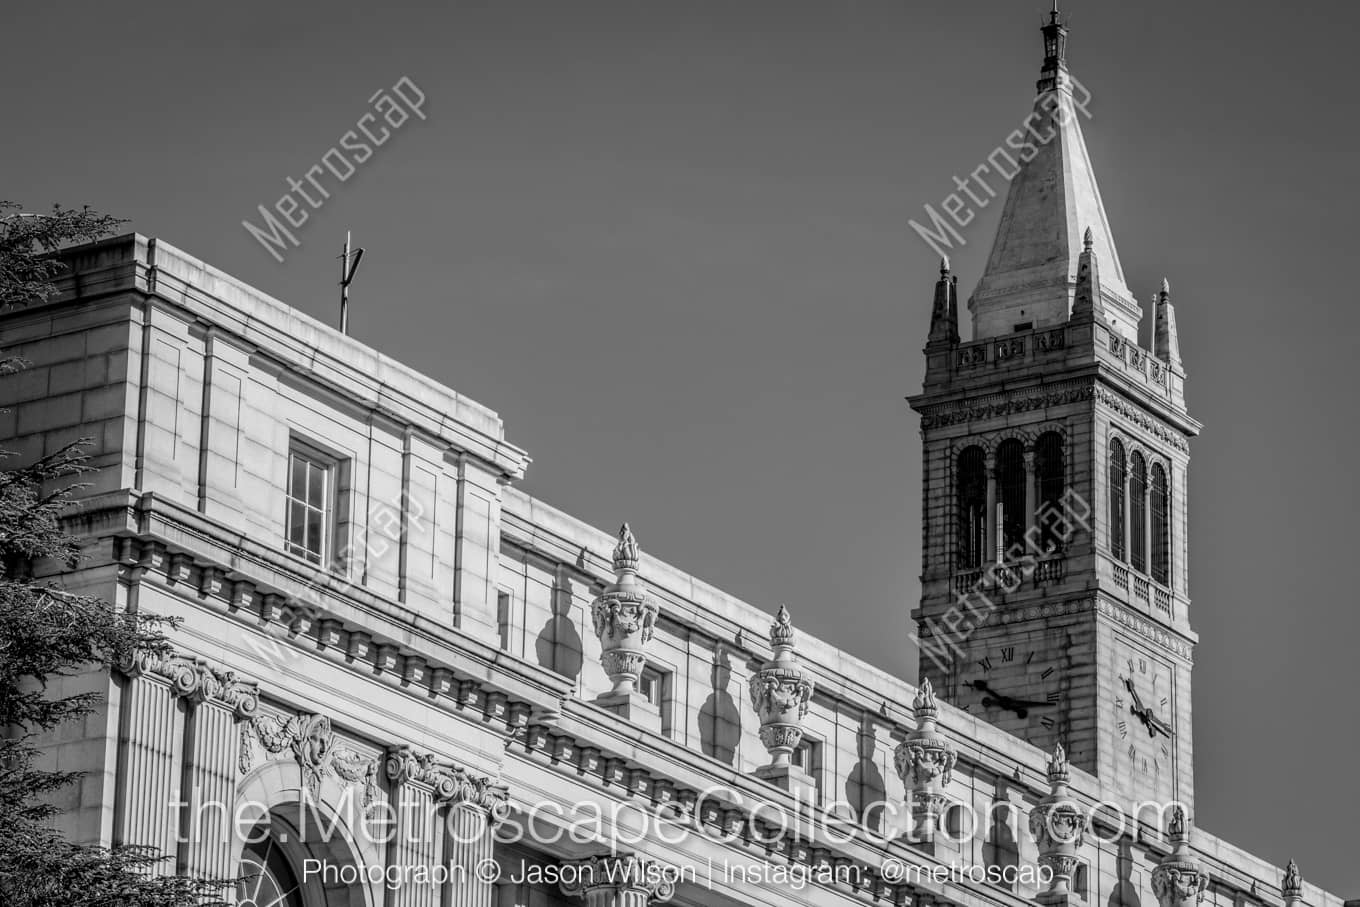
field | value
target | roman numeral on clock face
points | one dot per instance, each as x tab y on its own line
1047	671
985	664
1123	728
1046	722
1008	654
1133	751
1055	696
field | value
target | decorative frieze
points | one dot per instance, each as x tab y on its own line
1136	416
313	744
1005	407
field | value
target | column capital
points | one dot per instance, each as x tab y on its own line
197	680
604	880
451	785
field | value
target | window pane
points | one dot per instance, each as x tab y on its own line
297	478
297	524
316	485
972	508
1138	511
1010	482
1117	547
1161	535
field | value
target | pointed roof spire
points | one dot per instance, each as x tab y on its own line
944	318
1166	342
1053	198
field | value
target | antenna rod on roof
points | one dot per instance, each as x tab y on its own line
349	265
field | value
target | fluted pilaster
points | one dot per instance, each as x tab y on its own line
151	749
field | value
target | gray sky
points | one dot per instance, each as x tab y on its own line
668	242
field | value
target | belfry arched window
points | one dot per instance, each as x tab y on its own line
1010	492
1138	512
1161	527
972	507
1117	475
1048	465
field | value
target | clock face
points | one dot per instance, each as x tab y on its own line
1015	686
1144	720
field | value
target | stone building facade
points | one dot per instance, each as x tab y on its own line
392	658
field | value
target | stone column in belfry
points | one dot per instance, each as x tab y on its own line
1058	826
623	880
1179	880
924	762
217	701
418	837
150	758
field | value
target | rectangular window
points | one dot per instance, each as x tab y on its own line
807	756
309	525
652	684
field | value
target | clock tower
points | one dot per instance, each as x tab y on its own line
1054	597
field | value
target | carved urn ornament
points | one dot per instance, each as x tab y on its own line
624	616
1058	827
1179	880
924	762
780	693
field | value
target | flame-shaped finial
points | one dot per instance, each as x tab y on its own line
1057	767
1088	240
781	631
1177	829
944	265
1166	288
626	551
924	703
1292	886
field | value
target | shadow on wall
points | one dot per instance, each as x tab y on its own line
719	718
865	786
1125	893
558	646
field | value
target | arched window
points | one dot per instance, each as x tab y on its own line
1048	464
1010	492
972	500
1161	527
267	878
1138	512
1117	546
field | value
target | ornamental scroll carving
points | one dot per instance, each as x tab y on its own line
196	680
312	743
451	784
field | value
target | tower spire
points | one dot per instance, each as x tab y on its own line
1031	273
944	314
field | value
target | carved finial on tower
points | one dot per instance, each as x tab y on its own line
1086	302
1179	880
925	762
1055	50
944	318
1166	344
1292	886
1058	826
